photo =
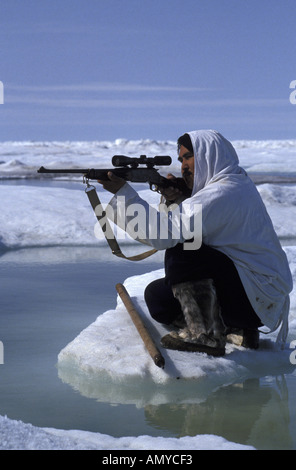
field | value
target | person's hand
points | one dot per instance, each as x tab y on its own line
113	184
171	193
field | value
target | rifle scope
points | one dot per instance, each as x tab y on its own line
121	160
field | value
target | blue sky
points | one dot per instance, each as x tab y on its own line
146	69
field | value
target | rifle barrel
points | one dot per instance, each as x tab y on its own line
60	170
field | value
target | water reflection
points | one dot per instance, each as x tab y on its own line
255	412
49	295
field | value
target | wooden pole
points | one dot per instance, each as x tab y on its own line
139	324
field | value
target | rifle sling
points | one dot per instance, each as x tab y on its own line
112	242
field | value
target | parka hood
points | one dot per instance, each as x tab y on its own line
215	158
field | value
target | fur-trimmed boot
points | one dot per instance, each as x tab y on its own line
204	331
248	338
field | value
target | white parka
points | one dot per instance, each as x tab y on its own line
234	221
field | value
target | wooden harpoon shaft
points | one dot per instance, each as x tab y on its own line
139	324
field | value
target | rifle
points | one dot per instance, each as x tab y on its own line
128	169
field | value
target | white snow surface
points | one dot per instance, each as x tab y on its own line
16	435
109	351
55	216
22	159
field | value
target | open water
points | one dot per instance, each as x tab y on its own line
49	295
46	303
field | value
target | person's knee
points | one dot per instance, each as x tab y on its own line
154	290
148	293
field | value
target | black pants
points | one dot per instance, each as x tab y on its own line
205	263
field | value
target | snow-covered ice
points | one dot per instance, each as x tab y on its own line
22	159
109	350
42	216
16	435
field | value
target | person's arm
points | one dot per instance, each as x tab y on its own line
145	223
